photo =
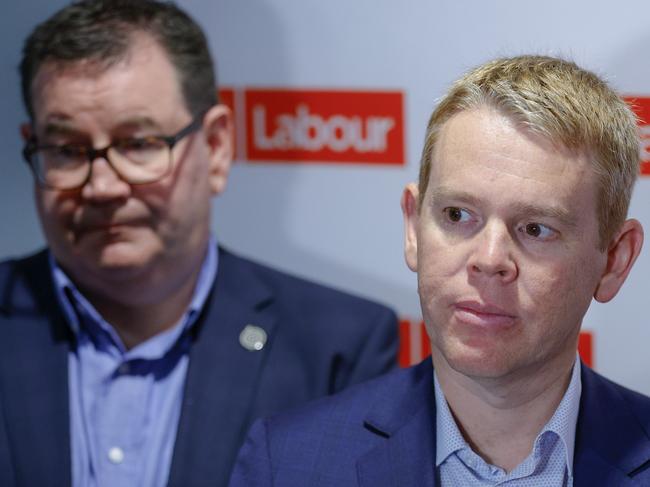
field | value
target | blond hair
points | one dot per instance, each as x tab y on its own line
564	104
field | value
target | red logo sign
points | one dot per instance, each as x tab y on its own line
641	107
227	97
324	126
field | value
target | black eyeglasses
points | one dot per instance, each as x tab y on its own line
136	160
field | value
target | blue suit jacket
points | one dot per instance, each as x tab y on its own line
382	434
319	341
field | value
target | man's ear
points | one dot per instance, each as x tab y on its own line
621	254
218	133
411	212
25	131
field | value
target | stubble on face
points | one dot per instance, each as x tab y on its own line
498	303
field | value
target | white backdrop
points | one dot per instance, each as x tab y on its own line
340	223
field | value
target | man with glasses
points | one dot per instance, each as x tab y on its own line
134	351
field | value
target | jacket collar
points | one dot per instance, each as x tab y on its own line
612	441
34	374
407	457
222	377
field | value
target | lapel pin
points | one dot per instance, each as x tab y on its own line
252	338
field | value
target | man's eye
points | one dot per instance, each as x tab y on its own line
456	215
141	144
539	231
72	151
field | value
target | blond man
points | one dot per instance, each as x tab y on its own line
518	221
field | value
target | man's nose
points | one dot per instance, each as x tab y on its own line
492	255
104	183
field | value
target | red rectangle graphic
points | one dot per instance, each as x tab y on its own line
641	107
325	126
227	97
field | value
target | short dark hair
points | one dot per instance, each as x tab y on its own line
101	31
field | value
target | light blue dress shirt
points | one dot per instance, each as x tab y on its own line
549	464
125	404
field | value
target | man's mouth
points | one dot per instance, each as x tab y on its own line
482	314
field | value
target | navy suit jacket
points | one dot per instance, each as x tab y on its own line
319	342
382	434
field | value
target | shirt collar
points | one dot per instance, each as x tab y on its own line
448	437
563	422
565	419
76	306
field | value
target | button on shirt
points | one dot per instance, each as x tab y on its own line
549	463
125	404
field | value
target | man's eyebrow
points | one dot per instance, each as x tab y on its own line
444	193
64	126
138	122
554	212
59	126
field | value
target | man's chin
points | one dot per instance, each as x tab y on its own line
481	364
117	260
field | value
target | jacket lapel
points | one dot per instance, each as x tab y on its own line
407	457
34	375
222	376
591	469
611	440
